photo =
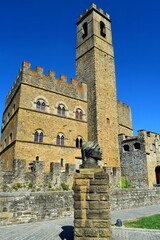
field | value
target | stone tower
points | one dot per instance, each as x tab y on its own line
95	66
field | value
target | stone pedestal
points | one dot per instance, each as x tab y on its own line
92	219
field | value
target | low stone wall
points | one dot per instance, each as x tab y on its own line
131	198
30	207
24	207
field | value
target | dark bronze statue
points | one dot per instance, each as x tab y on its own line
91	153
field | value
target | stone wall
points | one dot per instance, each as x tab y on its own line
22	119
139	156
35	178
133	161
132	198
28	207
23	207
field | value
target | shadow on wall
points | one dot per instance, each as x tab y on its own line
67	233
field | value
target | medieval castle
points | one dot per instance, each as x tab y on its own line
46	120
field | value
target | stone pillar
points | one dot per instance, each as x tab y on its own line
92	219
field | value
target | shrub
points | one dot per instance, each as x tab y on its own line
16	186
30	185
64	186
49	185
125	183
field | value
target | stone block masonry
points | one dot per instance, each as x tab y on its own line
32	207
21	207
91	206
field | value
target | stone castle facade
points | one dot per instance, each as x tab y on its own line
46	120
140	158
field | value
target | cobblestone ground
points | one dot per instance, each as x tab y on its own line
61	229
47	230
136	234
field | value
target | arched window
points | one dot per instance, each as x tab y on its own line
41	137
126	148
40	105
78	114
61	110
137	146
84	30
60	139
79	142
43	107
102	29
38	136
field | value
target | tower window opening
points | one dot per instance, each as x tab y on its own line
102	29
62	162
137	146
51	167
126	148
32	167
85	30
114	171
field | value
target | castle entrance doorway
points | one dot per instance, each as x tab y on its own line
157	170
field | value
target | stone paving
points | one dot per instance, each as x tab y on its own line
61	229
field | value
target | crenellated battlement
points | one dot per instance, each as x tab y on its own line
91	8
122	104
14	88
50	82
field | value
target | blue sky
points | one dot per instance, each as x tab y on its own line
44	33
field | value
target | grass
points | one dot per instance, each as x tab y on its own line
125	183
150	222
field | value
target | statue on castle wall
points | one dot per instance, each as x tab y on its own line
91	154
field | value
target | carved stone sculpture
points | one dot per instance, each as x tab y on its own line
91	153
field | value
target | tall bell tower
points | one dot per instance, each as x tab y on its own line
95	67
